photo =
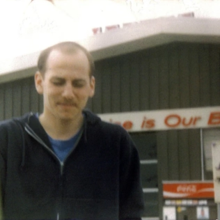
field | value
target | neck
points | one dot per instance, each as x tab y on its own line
60	129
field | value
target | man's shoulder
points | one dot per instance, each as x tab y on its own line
113	127
105	126
6	123
11	123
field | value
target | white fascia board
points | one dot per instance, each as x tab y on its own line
128	39
193	30
135	37
152	33
192	26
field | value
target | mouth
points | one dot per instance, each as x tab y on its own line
67	105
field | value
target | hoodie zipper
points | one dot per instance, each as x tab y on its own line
36	137
32	134
39	140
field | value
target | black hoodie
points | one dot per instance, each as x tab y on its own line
99	180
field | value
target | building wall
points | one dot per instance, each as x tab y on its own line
177	75
170	76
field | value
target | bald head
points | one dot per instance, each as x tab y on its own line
66	48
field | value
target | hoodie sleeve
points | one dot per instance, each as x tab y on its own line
131	194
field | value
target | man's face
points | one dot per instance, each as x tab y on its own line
66	85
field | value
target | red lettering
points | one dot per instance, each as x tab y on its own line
175	120
127	125
172	125
148	123
143	123
187	123
214	118
196	119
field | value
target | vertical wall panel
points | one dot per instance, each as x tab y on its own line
154	79
173	76
183	155
204	75
16	89
184	76
195	154
125	85
194	82
25	94
173	159
34	97
116	88
134	82
8	104
106	88
163	155
163	80
214	74
144	81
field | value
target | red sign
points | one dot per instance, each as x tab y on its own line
188	190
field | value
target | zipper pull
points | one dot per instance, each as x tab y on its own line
61	167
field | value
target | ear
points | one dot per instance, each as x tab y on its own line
38	78
92	86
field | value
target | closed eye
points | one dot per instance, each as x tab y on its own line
78	83
58	82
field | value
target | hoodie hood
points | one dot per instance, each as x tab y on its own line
30	123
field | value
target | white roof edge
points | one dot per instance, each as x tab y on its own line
138	36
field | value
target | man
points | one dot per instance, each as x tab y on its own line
66	163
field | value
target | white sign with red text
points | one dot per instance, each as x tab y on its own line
193	189
188	118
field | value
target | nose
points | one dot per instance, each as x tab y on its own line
68	91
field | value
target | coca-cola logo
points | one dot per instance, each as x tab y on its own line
187	188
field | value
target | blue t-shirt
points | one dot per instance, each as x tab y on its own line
63	147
